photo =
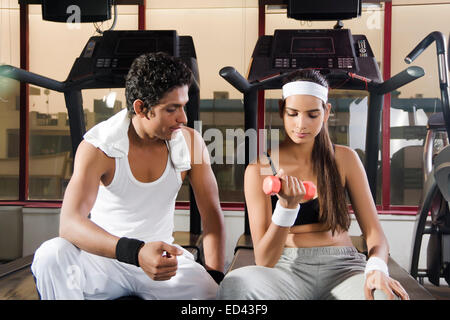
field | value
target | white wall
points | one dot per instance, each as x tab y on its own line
399	231
234	226
40	224
10	232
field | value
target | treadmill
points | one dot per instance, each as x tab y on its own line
103	63
347	62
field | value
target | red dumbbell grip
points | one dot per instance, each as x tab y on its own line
272	185
310	189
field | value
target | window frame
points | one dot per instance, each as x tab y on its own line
384	208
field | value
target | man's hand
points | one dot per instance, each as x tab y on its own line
159	260
378	280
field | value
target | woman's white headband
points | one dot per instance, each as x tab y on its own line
305	87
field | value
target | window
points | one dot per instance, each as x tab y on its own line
50	145
227	41
9	103
412	105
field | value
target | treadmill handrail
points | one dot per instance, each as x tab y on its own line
244	86
442	57
235	79
402	78
399	80
11	72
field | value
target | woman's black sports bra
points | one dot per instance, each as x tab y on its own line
307	214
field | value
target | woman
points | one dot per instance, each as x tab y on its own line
303	250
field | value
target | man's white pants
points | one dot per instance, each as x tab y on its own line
63	271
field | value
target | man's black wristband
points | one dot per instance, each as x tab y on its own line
127	250
216	275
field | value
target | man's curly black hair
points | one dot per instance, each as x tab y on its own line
152	75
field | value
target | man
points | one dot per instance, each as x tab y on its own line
127	173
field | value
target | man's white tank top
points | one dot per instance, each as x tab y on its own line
134	209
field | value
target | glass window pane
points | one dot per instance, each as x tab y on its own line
9	102
412	105
235	24
222	127
408	130
9	139
52	56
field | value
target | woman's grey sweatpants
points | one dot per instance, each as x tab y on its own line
301	274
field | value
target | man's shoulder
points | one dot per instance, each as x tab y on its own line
87	152
188	131
191	135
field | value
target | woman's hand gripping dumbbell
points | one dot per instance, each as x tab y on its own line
272	185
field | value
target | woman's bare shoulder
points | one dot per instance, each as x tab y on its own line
343	153
347	159
260	167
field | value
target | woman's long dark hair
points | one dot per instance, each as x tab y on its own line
331	193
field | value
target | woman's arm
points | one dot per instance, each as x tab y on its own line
268	238
367	217
362	202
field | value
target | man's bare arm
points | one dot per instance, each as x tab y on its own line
89	166
206	193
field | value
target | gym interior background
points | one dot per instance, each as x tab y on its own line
224	34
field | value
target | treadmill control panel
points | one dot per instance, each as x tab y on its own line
119	49
108	58
329	50
313	49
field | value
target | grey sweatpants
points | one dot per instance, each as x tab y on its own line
301	274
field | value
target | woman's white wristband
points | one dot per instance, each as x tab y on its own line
284	217
375	263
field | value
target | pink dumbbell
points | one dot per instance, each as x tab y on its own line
272	185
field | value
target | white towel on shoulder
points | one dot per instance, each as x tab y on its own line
179	152
111	136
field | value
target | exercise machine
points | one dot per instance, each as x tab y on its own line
360	72
436	177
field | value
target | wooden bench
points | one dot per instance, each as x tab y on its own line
244	256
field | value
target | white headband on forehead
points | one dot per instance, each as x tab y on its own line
305	87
